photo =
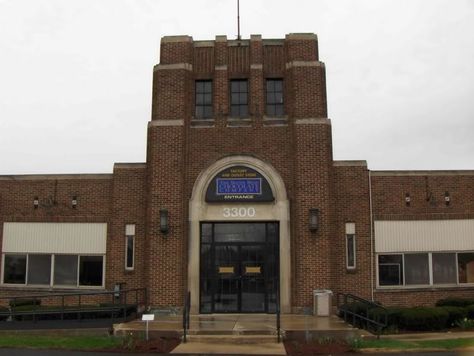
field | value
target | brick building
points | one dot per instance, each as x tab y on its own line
239	200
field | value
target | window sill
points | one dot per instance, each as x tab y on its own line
202	122
23	287
239	122
275	121
400	289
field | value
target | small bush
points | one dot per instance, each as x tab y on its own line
393	316
455	314
465	324
24	302
470	311
455	302
423	318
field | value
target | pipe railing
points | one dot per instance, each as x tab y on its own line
186	315
359	312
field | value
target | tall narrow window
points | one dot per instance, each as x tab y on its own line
239	98
350	246
129	247
203	100
274	98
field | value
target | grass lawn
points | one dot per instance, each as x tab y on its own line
60	342
447	344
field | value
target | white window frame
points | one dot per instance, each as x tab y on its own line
51	284
130	232
351	232
430	267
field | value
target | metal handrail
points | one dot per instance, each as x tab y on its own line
278	322
364	319
78	308
186	312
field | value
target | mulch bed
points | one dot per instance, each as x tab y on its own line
162	345
297	348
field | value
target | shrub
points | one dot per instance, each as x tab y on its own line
24	302
393	316
454	302
470	311
423	318
465	324
455	314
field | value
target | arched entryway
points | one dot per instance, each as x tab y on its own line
259	219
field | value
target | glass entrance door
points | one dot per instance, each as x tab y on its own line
239	267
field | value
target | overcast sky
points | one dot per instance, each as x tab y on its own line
76	76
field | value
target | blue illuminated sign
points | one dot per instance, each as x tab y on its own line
238	186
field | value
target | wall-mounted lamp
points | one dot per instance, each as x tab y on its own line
313	219
447	198
407	199
164	221
35	202
74	202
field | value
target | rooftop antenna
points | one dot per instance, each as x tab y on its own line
238	20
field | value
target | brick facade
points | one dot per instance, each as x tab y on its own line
299	147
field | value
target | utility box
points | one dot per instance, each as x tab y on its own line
322	302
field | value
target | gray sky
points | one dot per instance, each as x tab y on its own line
76	76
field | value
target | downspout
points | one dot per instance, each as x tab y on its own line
371	240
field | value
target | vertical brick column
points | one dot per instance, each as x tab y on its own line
172	100
257	89
312	167
307	85
221	81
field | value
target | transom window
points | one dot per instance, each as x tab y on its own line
274	98
203	106
239	98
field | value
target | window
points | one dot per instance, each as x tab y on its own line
274	98
390	270
14	269
36	269
239	98
444	268
466	267
65	270
426	269
129	246
416	269
39	269
350	246
90	270
203	99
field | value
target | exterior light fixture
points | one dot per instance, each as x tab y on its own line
164	221
313	220
74	202
35	202
407	199
447	198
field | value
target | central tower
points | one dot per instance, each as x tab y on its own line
258	105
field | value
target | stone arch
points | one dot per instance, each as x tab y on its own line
278	210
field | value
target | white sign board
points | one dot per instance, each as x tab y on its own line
148	317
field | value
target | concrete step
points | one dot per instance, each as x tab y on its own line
232	339
231	332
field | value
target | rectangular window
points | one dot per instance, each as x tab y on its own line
274	98
444	268
417	269
130	241
350	246
239	98
90	270
203	99
65	270
39	269
390	270
14	269
466	267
